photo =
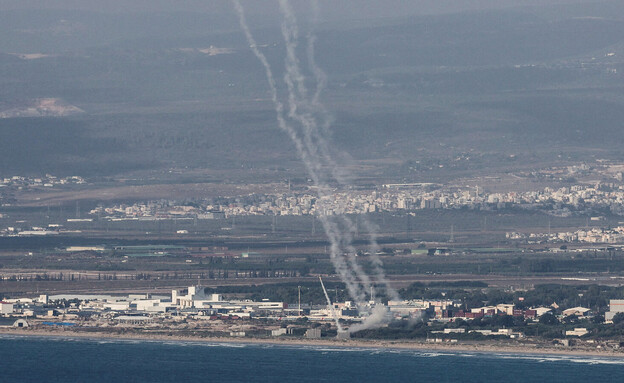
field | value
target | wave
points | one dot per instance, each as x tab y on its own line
561	358
544	358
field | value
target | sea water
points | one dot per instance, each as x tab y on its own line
63	359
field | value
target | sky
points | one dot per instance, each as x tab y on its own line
362	8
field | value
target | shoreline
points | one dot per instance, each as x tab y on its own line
477	347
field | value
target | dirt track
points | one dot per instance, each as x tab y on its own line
143	193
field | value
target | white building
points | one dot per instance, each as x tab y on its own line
6	308
580	331
313	333
576	311
192	297
198	299
150	305
615	306
278	332
408	308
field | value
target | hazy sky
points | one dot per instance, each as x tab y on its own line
363	8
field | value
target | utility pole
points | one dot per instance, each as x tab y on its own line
299	312
452	239
548	226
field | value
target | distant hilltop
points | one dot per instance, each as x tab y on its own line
40	107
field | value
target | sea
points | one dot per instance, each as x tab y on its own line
66	359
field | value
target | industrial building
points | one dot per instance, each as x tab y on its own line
615	306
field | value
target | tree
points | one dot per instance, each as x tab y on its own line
618	318
505	321
548	319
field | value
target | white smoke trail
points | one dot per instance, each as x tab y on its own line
339	264
319	75
279	108
315	143
302	125
290	32
331	307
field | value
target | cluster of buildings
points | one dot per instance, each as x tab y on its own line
9	185
580	198
593	235
29	231
48	181
156	210
449	310
194	307
583	199
192	303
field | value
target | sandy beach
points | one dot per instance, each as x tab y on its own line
470	347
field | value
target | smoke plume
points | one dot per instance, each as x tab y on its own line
307	122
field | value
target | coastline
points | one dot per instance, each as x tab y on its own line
472	347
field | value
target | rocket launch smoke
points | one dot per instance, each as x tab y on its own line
331	307
306	121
